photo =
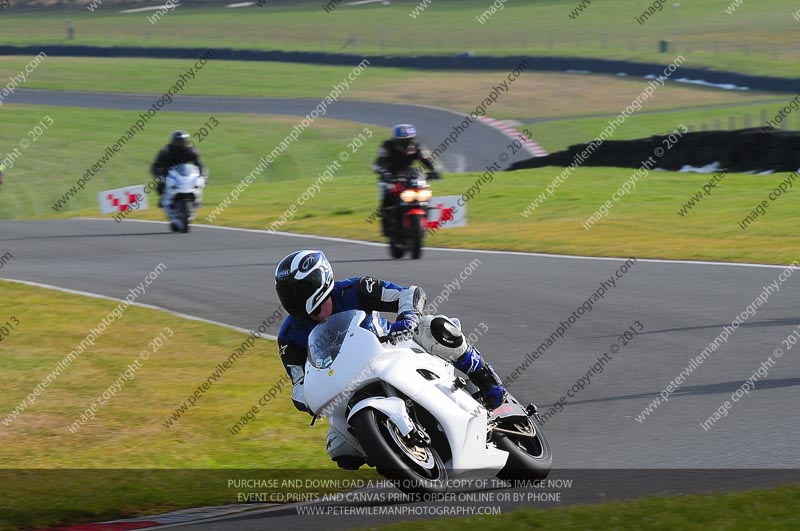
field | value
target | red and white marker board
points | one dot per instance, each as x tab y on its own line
444	212
122	199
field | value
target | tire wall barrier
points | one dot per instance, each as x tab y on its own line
755	149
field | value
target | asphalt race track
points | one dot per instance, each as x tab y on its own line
226	276
478	146
516	300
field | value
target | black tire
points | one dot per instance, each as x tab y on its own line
396	248
416	237
183	215
528	459
391	457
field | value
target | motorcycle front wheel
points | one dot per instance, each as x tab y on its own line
184	211
529	457
412	466
416	237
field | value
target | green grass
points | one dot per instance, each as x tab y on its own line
125	463
189	463
77	138
774	509
532	95
753	40
643	224
253	78
709	231
560	134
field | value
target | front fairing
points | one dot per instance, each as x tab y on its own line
341	357
185	179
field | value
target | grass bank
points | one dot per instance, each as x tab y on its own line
755	39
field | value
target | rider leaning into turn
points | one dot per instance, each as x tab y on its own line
178	151
398	154
306	288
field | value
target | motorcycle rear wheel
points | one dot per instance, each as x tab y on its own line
414	468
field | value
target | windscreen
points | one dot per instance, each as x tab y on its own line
326	339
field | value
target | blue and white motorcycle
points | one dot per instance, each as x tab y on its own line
183	193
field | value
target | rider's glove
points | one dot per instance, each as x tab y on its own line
401	330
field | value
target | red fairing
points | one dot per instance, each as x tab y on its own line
414	212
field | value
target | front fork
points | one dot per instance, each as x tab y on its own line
415	211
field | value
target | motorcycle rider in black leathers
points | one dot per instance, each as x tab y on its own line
306	288
395	155
178	151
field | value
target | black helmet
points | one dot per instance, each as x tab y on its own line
179	138
303	280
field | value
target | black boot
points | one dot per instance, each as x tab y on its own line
389	221
384	220
349	462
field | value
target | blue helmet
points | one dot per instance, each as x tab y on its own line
404	132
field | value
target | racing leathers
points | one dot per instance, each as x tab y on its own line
438	335
172	155
356	293
393	158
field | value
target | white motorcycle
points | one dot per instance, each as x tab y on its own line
409	414
183	193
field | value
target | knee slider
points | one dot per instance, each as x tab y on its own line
338	446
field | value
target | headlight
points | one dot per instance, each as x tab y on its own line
415	195
408	195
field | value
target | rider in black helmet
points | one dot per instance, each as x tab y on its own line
178	151
306	288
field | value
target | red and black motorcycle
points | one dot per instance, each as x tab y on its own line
405	212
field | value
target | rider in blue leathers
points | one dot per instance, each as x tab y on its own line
306	288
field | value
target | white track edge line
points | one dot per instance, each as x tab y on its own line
453	250
139	304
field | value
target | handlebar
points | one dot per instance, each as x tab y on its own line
388	176
403	337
